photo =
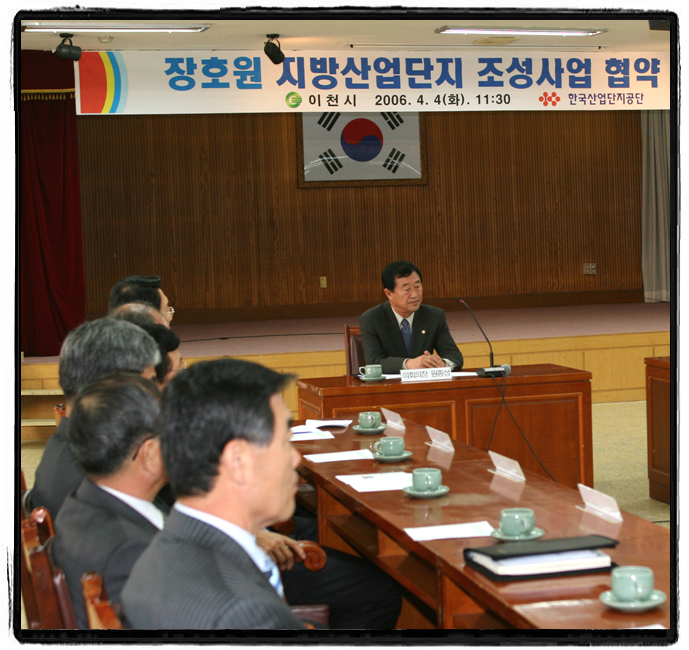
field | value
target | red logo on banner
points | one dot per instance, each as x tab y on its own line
551	99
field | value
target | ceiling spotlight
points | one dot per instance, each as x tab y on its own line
273	51
65	51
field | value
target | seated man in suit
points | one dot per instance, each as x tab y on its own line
94	349
226	447
111	518
404	333
141	288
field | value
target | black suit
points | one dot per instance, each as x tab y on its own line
383	343
193	576
96	531
57	474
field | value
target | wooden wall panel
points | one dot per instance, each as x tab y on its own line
515	204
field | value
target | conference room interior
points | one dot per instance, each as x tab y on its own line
514	209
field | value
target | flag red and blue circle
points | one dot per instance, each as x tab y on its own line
361	139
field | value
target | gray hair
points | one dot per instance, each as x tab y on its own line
139	313
101	347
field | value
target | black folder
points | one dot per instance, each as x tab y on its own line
538	547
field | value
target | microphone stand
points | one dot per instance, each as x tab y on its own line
493	371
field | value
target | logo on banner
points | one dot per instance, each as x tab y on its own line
103	82
293	100
552	99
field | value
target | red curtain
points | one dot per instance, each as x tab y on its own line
52	289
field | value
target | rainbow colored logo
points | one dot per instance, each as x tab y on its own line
103	82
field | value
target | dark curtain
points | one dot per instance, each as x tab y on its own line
52	291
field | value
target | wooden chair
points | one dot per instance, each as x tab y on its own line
59	412
100	612
30	607
47	602
354	349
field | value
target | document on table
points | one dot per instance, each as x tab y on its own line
377	482
356	454
450	531
302	432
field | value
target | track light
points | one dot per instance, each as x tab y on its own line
64	51
273	52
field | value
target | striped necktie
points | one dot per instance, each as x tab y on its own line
406	336
271	571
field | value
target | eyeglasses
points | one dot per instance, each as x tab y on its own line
170	313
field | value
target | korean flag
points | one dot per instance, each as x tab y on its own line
361	146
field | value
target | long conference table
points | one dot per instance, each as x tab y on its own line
551	405
440	590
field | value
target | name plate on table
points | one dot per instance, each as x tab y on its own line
426	374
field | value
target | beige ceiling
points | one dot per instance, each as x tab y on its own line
324	33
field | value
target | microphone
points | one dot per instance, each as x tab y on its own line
493	371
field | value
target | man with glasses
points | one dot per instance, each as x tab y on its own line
141	288
111	518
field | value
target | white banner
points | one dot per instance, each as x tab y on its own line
247	82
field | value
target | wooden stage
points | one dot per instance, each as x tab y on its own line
609	341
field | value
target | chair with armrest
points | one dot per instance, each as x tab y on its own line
354	349
59	412
100	612
44	586
314	560
28	596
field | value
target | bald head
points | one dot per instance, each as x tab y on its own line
139	313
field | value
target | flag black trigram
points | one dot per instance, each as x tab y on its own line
327	120
392	162
393	119
330	161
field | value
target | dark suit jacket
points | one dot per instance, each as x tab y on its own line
95	531
193	576
383	343
57	474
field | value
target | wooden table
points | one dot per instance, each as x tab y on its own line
660	427
552	405
440	590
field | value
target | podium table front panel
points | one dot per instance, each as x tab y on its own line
551	405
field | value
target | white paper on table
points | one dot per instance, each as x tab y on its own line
315	424
301	436
356	454
450	531
393	419
439	439
506	467
381	482
599	504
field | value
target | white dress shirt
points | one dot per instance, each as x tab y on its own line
143	507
